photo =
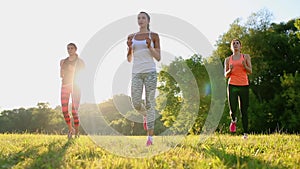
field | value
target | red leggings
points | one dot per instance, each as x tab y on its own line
66	91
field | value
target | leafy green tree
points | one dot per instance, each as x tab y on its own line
297	25
290	95
182	104
274	49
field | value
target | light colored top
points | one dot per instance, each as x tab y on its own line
238	75
143	62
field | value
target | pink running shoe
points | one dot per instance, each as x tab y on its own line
145	123
149	142
232	127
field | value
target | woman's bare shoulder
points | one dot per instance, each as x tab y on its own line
130	35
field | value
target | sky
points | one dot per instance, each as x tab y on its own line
34	35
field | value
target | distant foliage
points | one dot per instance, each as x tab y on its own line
274	89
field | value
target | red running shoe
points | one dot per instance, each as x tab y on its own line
232	127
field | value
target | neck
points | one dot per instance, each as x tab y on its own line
236	52
72	57
143	30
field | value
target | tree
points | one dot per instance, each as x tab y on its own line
290	120
184	99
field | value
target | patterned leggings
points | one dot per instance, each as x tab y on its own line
139	80
66	91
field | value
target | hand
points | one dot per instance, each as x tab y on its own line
148	42
244	63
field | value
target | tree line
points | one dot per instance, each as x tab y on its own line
274	88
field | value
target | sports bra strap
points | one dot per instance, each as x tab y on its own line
148	35
231	57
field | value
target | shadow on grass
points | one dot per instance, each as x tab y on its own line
238	161
53	158
15	158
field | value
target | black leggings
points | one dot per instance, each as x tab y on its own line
239	94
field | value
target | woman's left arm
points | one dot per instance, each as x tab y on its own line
155	51
247	63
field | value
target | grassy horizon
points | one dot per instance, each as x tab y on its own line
218	151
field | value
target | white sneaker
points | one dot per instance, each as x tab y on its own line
245	136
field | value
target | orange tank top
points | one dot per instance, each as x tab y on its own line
238	75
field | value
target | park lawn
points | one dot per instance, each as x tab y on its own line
216	151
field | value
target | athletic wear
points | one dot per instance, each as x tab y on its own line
232	126
143	74
238	75
74	92
139	80
239	95
149	141
142	60
238	92
69	70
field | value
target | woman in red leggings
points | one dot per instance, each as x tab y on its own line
237	67
69	70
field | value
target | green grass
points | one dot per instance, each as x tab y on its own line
218	151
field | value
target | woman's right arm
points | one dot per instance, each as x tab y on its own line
130	51
61	69
227	68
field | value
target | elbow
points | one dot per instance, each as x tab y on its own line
250	71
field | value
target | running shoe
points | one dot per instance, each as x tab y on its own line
149	142
70	134
232	126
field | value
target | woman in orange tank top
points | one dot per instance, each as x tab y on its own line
237	67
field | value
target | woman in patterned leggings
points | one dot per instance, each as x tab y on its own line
143	48
69	70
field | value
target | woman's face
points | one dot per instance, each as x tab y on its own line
235	45
142	20
71	49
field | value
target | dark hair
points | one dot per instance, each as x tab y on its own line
72	44
148	17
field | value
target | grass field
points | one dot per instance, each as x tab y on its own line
218	151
